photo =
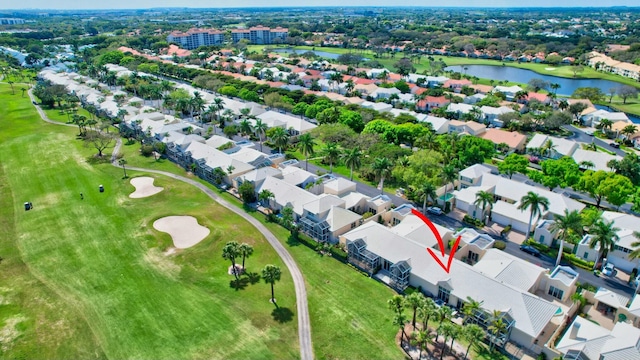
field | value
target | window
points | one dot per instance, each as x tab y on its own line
586	255
443	294
473	256
353	225
541	239
556	293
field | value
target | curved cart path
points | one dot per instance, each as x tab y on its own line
304	324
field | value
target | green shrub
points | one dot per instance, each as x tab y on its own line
338	253
505	230
472	221
581	263
367	215
146	150
499	245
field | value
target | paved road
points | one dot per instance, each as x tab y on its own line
304	323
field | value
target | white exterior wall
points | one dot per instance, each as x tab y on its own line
543	235
592	254
621	261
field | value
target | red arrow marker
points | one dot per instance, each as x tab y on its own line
440	242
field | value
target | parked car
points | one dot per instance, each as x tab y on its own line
615	145
434	210
589	132
608	269
530	250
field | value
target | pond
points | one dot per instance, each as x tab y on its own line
323	54
567	85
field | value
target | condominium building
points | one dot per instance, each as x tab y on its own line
260	35
195	38
11	21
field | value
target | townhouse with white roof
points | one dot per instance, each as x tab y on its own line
594	118
559	147
587	340
295	125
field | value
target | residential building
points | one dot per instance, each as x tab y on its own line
508	194
439	125
472	175
491	114
604	63
295	125
509	91
597	158
595	117
432	102
585	339
513	139
551	146
195	38
325	218
468	128
543	234
11	21
286	194
260	35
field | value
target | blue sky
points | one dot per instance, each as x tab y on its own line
137	4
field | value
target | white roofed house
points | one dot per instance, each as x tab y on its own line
491	114
588	340
207	159
439	125
400	261
508	194
468	127
257	176
286	194
599	160
471	176
459	109
508	91
295	125
385	93
551	146
594	118
326	218
177	143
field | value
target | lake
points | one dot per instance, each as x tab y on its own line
567	85
323	54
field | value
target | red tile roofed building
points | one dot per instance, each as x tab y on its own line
394	77
543	98
432	102
513	139
456	85
481	89
125	49
418	90
174	50
276	84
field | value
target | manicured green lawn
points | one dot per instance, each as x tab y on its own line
89	279
55	114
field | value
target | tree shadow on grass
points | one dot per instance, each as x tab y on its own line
293	240
239	284
253	277
282	314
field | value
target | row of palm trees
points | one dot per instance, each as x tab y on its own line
423	309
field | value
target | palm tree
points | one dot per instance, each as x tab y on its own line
245	250
306	144
271	274
245	127
396	303
536	204
414	302
450	175
280	138
331	153
10	82
400	320
447	329
381	168
548	147
605	124
470	308
265	196
484	199
260	128
420	339
555	87
353	159
566	226
604	234
636	244
425	192
496	328
454	332
122	162
218	105
443	315
230	252
426	311
473	334
629	130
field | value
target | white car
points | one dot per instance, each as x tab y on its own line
434	210
608	269
589	132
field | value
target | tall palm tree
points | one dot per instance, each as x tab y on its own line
382	168
604	234
261	129
280	138
230	252
473	334
271	274
497	327
122	162
245	250
396	303
426	311
306	144
353	159
536	204
443	314
421	339
245	127
606	124
331	153
454	333
470	308
414	302
450	175
425	192
265	196
629	130
555	87
636	244
400	320
218	105
566	226
548	147
447	329
484	199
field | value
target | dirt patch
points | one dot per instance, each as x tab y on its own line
160	262
8	333
144	187
184	230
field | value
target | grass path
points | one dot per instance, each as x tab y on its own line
90	279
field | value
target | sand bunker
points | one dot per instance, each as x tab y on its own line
184	230
550	68
144	187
